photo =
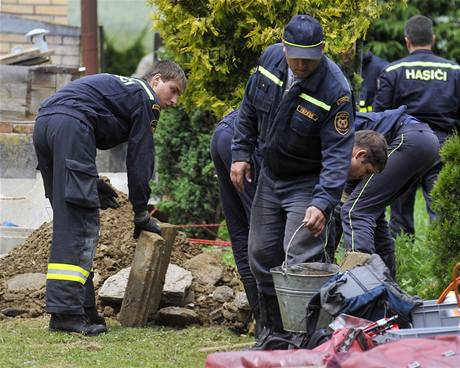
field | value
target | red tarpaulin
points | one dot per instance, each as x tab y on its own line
439	352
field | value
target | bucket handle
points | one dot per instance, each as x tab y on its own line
285	265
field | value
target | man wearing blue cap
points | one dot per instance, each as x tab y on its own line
297	107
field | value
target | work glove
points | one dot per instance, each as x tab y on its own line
107	195
143	221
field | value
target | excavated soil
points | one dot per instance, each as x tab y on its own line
115	251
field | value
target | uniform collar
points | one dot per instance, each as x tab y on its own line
147	87
420	51
313	81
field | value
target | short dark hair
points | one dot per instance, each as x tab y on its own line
169	70
375	145
419	30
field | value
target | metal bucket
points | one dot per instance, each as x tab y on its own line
296	285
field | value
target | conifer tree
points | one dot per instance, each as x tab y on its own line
444	231
218	42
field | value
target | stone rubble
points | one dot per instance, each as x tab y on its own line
209	291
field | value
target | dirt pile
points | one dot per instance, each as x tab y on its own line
115	251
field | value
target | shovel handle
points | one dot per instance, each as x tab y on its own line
453	286
456	282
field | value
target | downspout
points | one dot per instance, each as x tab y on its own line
89	36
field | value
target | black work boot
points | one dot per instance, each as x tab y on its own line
75	323
273	336
94	317
250	287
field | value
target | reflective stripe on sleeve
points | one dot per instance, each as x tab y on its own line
423	63
314	101
68	272
270	76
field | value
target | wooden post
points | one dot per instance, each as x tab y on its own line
147	276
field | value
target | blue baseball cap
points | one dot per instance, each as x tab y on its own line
303	38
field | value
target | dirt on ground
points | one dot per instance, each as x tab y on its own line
115	251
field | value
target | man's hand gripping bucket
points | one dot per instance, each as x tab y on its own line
296	285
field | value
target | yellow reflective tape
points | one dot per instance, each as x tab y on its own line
423	63
64	277
365	109
305	46
314	101
67	267
270	76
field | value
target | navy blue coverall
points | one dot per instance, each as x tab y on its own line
372	66
98	111
236	205
306	137
430	87
412	150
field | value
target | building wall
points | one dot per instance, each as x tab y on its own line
17	17
66	48
52	11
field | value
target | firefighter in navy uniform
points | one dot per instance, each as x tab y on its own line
412	149
372	66
97	111
297	107
430	87
236	206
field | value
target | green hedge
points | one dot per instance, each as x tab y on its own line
444	232
186	178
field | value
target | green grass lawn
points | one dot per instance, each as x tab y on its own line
414	270
28	343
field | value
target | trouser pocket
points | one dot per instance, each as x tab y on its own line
80	184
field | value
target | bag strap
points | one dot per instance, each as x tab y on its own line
312	313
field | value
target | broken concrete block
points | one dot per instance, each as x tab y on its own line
241	301
177	285
113	289
175	291
177	317
205	268
26	281
222	294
